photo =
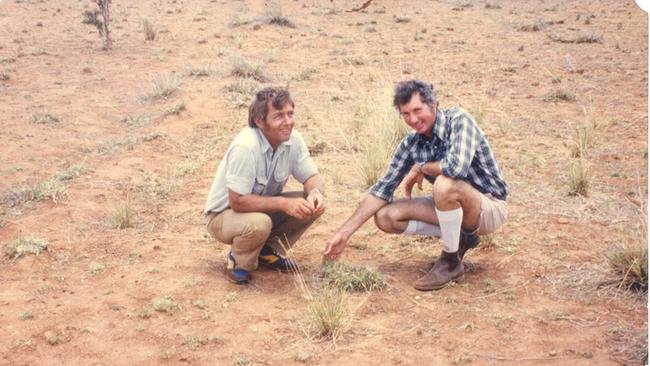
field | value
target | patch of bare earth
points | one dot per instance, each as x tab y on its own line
109	155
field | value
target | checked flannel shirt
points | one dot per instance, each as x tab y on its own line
462	149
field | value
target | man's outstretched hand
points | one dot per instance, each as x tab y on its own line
335	247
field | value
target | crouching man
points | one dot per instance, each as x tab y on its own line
448	149
246	207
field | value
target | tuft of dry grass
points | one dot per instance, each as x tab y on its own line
630	259
328	313
559	95
579	178
380	131
164	305
584	139
123	215
43	117
348	277
149	30
25	245
241	68
162	87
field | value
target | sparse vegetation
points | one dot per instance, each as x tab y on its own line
349	277
123	215
584	140
164	304
96	267
629	259
174	110
579	178
162	87
328	313
579	38
43	117
25	245
559	95
149	30
241	68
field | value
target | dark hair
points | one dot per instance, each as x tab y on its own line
405	89
259	107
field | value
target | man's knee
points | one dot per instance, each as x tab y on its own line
384	219
257	227
445	188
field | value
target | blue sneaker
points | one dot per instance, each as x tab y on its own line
234	274
270	259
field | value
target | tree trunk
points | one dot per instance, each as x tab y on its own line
103	7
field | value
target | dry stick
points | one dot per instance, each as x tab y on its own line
502	358
365	5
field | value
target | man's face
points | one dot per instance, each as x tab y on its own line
278	124
418	115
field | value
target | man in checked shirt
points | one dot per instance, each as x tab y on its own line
468	199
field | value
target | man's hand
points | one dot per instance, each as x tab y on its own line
335	246
316	199
299	208
413	176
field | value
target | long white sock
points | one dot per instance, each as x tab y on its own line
450	223
422	228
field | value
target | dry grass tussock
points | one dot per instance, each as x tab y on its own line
348	277
630	259
378	129
25	245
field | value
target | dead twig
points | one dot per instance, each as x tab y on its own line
365	5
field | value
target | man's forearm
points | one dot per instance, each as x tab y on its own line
369	206
316	181
432	168
256	203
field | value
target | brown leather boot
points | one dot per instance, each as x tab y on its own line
448	267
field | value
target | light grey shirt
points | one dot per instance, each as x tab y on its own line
251	167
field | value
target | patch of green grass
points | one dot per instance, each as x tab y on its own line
164	304
348	277
25	245
26	315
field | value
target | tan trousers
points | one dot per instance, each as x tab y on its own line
248	232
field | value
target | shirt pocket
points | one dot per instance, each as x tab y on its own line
281	173
260	185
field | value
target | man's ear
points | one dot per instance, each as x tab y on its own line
258	122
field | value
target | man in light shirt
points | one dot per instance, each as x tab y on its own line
246	207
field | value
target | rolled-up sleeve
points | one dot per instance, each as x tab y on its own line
240	171
463	142
399	166
304	166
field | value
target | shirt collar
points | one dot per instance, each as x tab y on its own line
438	128
439	125
266	145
